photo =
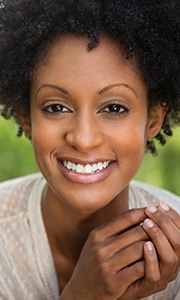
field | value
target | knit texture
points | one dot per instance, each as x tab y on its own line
27	270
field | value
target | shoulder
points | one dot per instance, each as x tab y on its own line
14	194
143	194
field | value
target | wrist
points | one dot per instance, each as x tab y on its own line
67	294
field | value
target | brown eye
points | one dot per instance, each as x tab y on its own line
55	109
115	109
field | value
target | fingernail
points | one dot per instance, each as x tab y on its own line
148	223
164	206
152	209
149	246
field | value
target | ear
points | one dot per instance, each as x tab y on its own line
155	120
25	123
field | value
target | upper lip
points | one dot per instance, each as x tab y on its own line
83	161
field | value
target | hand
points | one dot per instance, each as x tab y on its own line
111	259
164	231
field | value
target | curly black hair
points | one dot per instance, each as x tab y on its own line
149	29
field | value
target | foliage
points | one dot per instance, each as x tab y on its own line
16	154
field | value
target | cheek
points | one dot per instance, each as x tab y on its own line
128	138
130	150
43	141
128	144
43	133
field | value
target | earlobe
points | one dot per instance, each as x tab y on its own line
155	120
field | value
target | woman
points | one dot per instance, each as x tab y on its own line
90	84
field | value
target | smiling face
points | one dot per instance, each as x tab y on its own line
89	122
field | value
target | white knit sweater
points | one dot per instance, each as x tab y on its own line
27	271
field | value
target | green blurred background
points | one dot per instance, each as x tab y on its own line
16	159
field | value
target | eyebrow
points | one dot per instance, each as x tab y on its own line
103	90
46	85
111	86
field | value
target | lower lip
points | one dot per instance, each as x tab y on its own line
87	178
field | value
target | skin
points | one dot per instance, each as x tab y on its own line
92	234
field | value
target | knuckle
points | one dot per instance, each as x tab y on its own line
100	255
104	272
137	248
175	216
139	269
95	236
131	214
172	261
161	218
139	233
142	233
154	280
134	216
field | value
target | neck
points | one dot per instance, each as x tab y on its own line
68	229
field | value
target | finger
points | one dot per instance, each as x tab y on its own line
167	256
112	246
122	241
171	213
148	284
152	272
158	238
126	257
132	236
119	224
130	275
166	225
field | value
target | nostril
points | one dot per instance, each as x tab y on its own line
83	139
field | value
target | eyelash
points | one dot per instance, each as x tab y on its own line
118	109
46	109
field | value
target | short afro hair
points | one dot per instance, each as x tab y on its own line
149	29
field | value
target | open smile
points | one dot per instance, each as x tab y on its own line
78	172
85	168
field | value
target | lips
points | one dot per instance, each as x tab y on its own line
85	168
85	172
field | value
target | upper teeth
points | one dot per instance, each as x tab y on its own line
85	169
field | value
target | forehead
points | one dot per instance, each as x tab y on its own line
76	46
69	63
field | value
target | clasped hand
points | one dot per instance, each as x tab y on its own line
131	257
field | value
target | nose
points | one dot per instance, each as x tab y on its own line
84	134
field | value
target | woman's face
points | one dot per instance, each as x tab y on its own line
89	121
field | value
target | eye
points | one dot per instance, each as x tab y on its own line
115	109
55	108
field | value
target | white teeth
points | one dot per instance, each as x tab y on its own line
73	167
79	168
94	167
68	166
100	166
85	169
